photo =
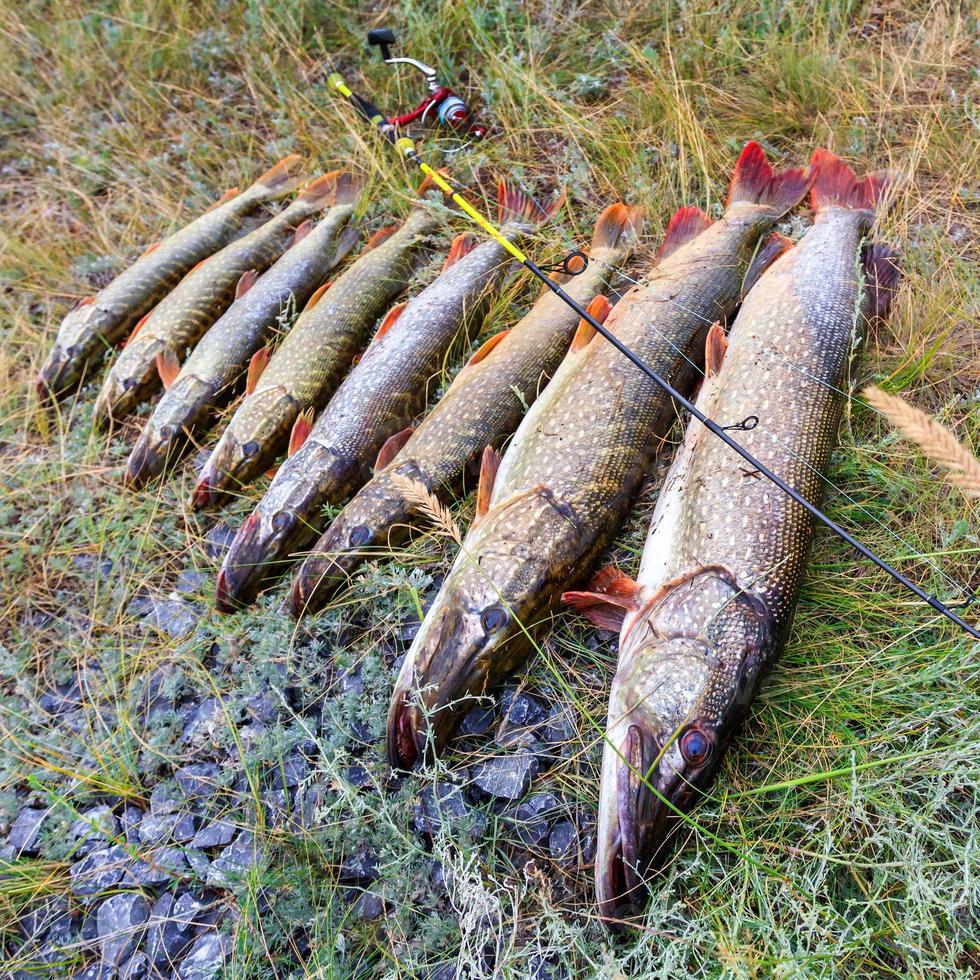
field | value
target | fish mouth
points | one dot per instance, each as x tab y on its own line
210	487
634	824
406	738
149	457
57	376
321	575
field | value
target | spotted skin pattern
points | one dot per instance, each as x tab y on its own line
727	549
182	317
567	481
92	328
313	358
380	397
211	375
486	401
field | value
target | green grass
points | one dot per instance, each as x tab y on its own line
841	838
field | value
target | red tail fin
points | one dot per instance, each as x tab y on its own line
756	182
881	275
835	186
513	204
685	225
615	224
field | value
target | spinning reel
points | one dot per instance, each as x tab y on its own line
442	105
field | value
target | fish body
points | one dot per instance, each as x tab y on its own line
313	358
376	402
576	462
179	320
101	321
727	549
210	376
486	401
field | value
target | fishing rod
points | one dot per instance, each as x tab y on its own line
407	150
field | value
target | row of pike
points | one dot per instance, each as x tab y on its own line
718	579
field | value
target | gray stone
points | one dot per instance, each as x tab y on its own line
99	870
176	617
532	817
41	917
199	780
477	721
563	842
206	720
559	729
130	820
61	699
522	715
165	798
198	862
445	806
94	828
218	833
506	777
169	933
135	968
235	860
121	924
362	866
218	540
25	832
164	827
369	907
205	959
191	581
159	867
95	971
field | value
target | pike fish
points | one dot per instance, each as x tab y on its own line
726	551
485	402
212	373
180	319
313	358
369	415
101	321
576	462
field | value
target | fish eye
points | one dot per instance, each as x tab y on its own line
250	449
493	618
360	534
283	520
130	383
696	746
168	432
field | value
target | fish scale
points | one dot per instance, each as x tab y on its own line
726	552
179	320
378	399
313	357
209	377
576	462
486	400
100	322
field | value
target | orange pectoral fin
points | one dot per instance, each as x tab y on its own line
150	250
257	364
598	309
300	432
612	594
391	318
232	192
486	348
168	367
392	447
246	282
139	326
715	347
489	465
301	232
317	296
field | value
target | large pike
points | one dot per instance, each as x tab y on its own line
367	419
727	549
211	375
577	460
485	402
181	318
314	356
101	321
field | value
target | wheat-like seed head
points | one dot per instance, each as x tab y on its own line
934	439
430	505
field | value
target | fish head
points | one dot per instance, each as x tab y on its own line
475	634
79	339
690	663
376	519
247	447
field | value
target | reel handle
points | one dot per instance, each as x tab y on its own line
383	38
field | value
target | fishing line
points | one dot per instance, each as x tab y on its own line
957	586
407	151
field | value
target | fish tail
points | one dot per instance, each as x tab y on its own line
279	180
330	190
836	186
616	225
515	205
879	263
755	182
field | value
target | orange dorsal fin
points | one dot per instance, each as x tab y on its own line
715	346
391	318
232	192
168	367
139	326
150	250
317	296
300	431
610	596
302	230
246	282
462	246
392	447
618	223
256	366
380	236
489	464
486	348
88	301
685	225
598	309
